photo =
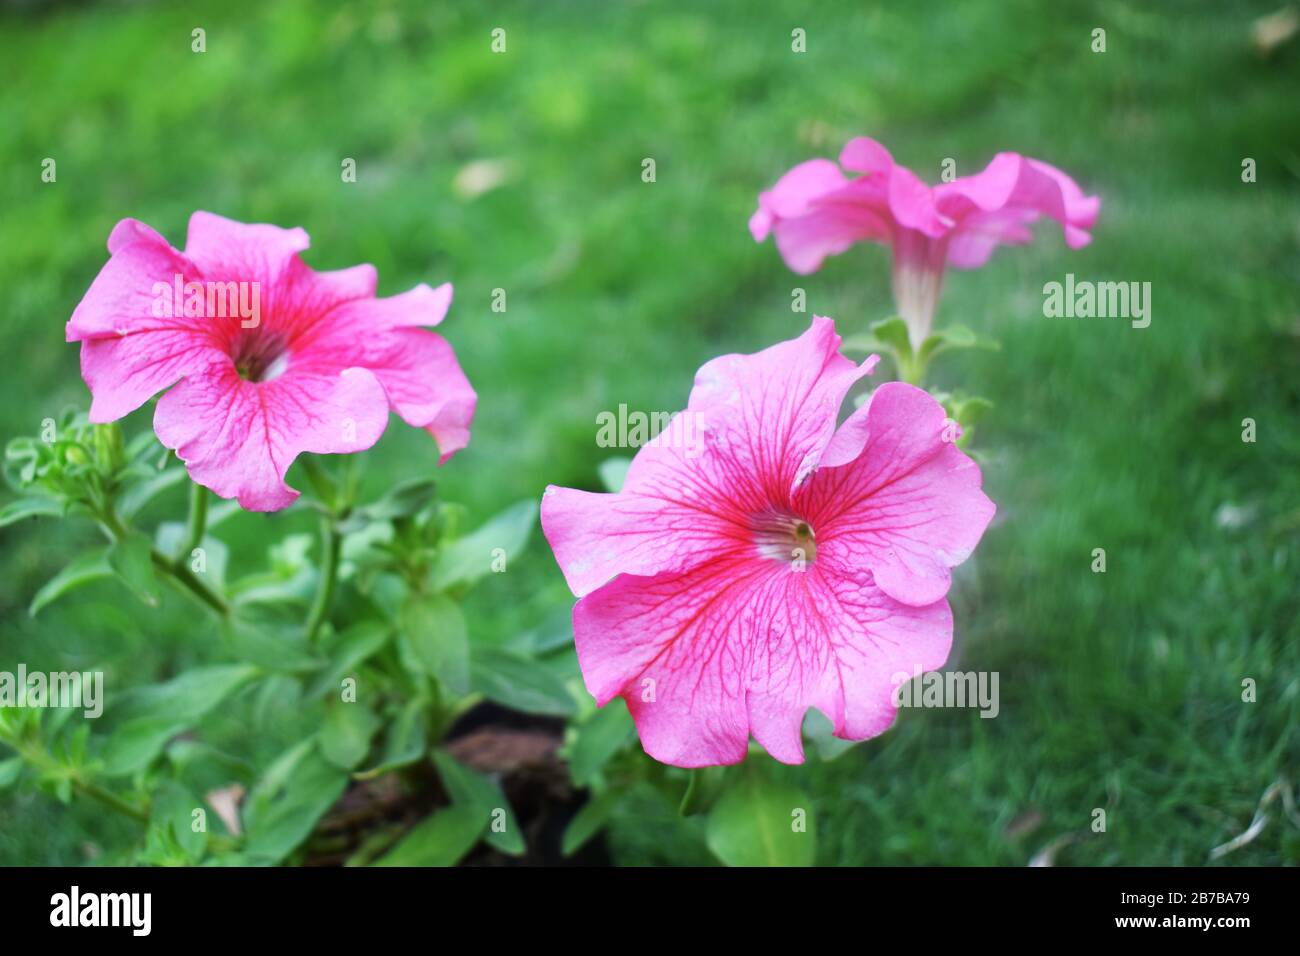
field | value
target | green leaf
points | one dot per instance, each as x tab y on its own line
91	566
703	790
59	717
345	735
892	333
135	744
10	771
131	558
275	778
291	554
274	588
405	744
290	580
966	410
159	713
595	741
172	809
613	472
272	647
469	788
140	494
588	821
30	508
465	560
971	410
367	545
184	754
755	823
161	848
438	840
954	337
324	485
171	536
553	633
862	344
433	638
191	695
349	650
285	805
142	445
517	682
820	732
276	700
220	512
404	500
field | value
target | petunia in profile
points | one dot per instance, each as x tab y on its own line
815	211
789	564
268	358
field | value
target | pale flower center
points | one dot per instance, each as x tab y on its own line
783	537
259	356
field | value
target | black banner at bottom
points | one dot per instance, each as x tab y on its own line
336	905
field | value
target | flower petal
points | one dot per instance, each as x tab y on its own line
418	369
420	306
816	212
834	224
706	657
907	505
754	429
862	154
979	234
998	203
128	353
797	190
239	438
424	384
770	415
876	642
225	249
124	373
596	537
666	644
323	359
294	300
986	191
909	201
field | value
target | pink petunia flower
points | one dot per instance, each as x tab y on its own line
272	358
816	211
788	565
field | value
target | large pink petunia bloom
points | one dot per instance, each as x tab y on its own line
272	358
787	564
816	211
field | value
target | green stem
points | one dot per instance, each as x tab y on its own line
181	574
325	487
435	711
110	799
177	571
911	371
198	522
41	760
330	547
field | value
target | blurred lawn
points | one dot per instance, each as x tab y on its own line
1119	691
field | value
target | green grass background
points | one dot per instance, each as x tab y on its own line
1120	691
